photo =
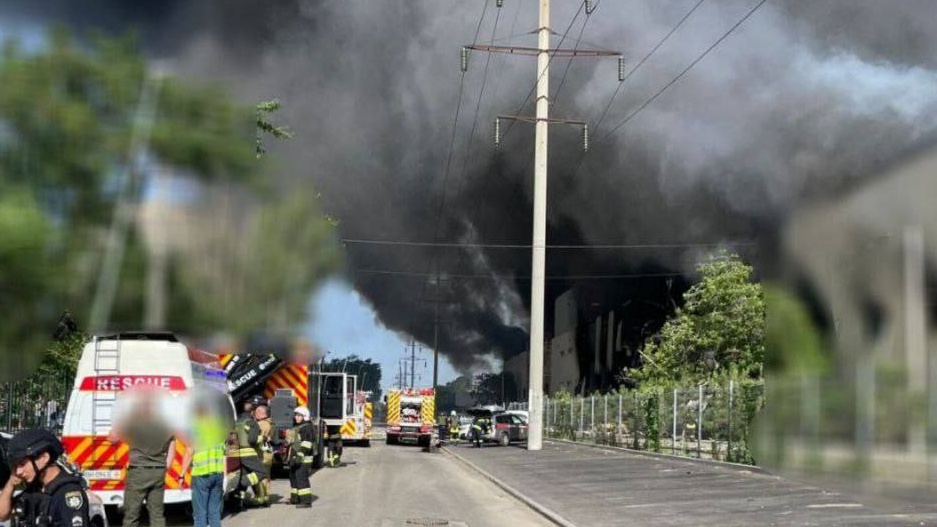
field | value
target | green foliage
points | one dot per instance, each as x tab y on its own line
652	421
492	388
720	327
793	343
266	127
27	279
69	114
368	372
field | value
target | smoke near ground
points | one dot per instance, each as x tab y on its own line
801	102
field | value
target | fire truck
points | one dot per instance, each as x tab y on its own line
113	365
344	411
340	412
283	383
411	415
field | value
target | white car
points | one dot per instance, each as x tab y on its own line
96	506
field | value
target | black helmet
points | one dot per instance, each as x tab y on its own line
258	400
32	443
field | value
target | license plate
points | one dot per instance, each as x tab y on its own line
102	474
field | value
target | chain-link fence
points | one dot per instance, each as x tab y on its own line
38	401
705	421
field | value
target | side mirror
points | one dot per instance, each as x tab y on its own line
385	399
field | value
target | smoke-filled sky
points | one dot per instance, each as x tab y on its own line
805	99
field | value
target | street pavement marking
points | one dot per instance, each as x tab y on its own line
834	506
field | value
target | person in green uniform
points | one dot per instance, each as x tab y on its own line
302	439
152	447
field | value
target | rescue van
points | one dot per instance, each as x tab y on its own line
111	365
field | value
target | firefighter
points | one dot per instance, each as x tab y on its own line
302	454
249	453
54	497
268	434
453	422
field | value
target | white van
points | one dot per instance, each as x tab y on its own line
113	364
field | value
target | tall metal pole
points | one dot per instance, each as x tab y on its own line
436	342
412	363
538	267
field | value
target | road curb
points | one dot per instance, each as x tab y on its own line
526	500
670	457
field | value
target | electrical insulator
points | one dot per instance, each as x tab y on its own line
497	133
499	3
585	138
589	7
621	68
464	62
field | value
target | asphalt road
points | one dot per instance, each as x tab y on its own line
387	486
605	487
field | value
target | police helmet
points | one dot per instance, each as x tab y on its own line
301	410
31	444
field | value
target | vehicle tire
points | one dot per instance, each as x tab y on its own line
504	439
424	441
391	439
366	443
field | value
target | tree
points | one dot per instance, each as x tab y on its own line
368	372
719	329
68	115
493	388
793	343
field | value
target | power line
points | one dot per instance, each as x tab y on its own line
682	73
402	243
646	57
417	274
549	62
569	63
455	124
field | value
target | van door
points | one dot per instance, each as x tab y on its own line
520	426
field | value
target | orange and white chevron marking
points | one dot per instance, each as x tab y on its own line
98	455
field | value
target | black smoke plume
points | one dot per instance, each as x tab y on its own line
795	105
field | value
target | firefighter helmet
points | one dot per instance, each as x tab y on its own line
303	411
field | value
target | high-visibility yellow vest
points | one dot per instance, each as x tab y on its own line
208	457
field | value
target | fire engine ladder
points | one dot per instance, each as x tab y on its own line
106	362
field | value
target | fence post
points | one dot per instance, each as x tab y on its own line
582	414
635	429
699	422
9	407
618	435
731	396
673	433
605	421
592	414
571	422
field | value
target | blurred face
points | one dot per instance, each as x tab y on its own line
297	418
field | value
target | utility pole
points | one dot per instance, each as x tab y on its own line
436	345
412	361
128	199
541	121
